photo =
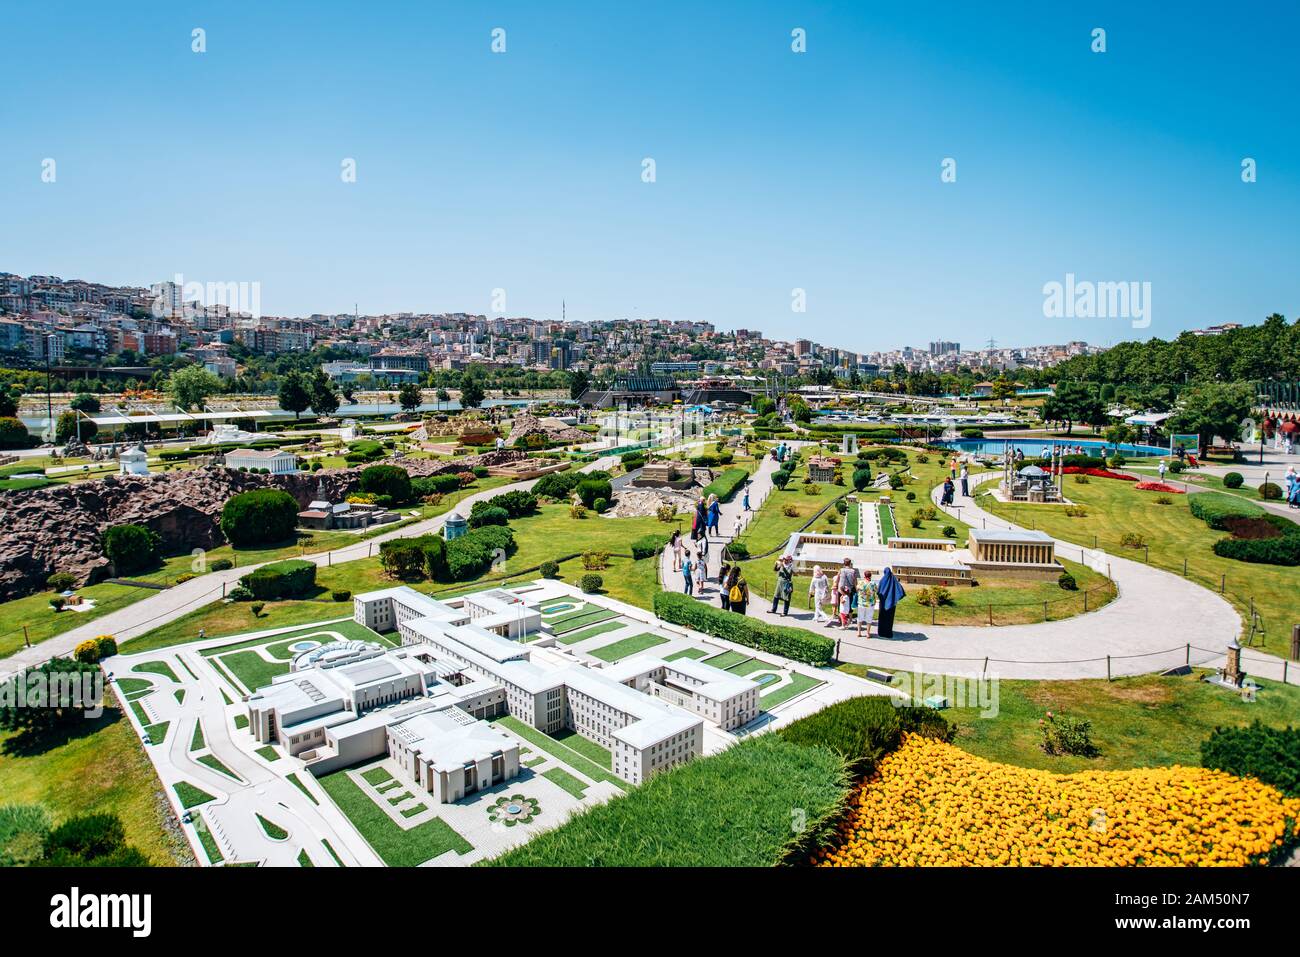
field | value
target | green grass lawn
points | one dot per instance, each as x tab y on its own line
726	810
565	780
43	622
1173	535
573	637
616	651
799	683
396	847
251	669
197	743
687	653
96	766
770	527
586	747
215	764
190	795
156	668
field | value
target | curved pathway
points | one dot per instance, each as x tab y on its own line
1158	621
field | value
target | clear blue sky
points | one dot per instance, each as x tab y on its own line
775	170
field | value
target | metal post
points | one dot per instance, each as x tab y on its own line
1223	583
1108	667
1044	611
1085	602
27	641
1189	654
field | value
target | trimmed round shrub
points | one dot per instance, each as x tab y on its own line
221	565
781	478
738	550
239	593
950	531
14	435
466	558
107	646
435	485
1271	755
294	578
600	505
402	559
591	489
341	594
1233	480
1177	466
132	547
60	581
87	651
861	478
390	480
1270	490
259	517
484	514
550	570
648	546
1067	582
480	471
591	583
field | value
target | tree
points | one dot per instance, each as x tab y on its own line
65	683
1212	409
1074	402
130	548
578	384
294	393
471	394
409	396
69	425
85	402
1003	388
190	386
390	480
259	517
443	395
347	391
324	397
8	403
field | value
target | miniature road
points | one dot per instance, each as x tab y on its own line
1147	628
172	603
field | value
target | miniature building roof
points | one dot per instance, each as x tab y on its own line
999	536
1032	471
257	453
447	743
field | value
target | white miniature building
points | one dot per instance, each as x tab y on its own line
133	461
624	709
275	461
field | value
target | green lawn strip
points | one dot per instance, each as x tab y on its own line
278	645
799	683
241	722
294	780
560	751
586	609
565	780
190	795
396	846
695	653
303	859
416	809
269	753
573	637
398	799
157	668
197	742
252	670
226	698
752	665
726	659
388	785
589	749
333	853
190	670
179	695
377	776
725	810
274	831
533	762
887	529
138	710
210	846
215	665
617	650
133	687
211	761
157	732
590	619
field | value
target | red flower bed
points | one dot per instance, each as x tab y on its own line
1159	487
1097	473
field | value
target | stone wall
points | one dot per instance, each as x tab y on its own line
58	528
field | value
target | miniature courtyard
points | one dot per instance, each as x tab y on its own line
243	801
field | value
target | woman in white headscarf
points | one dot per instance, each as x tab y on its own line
819	590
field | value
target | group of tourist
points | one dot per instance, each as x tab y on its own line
1292	487
694	568
849	594
704	520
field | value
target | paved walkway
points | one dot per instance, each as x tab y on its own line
164	606
1147	628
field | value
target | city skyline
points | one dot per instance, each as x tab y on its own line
816	171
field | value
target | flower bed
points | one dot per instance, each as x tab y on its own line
1158	487
930	803
1097	473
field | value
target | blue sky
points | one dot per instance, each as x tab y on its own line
775	170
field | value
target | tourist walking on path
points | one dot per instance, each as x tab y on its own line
723	597
686	573
866	603
965	481
846	581
737	590
784	584
675	544
947	492
1161	469
701	571
704	550
819	590
700	522
744	502
735	532
715	513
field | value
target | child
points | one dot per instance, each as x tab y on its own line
701	573
686	572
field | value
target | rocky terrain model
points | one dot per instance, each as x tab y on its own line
58	528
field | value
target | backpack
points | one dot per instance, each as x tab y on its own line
736	595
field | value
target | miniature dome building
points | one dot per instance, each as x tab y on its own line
455	527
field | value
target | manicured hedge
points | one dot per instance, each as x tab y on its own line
484	513
130	548
863	730
591	489
794	643
259	517
390	480
648	546
1214	508
294	578
726	484
516	504
435	485
557	485
1283	550
1271	755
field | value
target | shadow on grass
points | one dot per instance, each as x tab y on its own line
30	744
